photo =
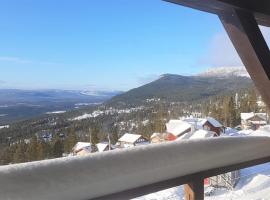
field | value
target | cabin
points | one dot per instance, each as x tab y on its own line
82	148
211	124
103	146
158	138
253	120
162	137
131	140
177	128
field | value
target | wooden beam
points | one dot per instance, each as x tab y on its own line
262	6
194	190
248	41
260	9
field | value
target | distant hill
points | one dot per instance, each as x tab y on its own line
179	88
23	104
8	96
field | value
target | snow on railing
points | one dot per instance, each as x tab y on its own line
101	174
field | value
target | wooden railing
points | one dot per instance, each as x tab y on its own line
133	172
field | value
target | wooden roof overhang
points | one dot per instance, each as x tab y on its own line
240	19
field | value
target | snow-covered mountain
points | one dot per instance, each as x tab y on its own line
225	72
178	88
100	93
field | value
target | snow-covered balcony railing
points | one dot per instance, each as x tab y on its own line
128	173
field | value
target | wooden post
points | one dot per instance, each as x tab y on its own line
249	42
194	190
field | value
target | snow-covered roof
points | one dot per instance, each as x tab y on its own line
195	122
230	132
247	116
202	134
129	138
80	145
212	121
155	135
262	115
102	146
177	127
259	122
262	131
197	135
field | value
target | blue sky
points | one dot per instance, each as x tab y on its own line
102	44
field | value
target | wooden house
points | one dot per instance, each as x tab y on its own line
103	146
211	124
131	140
177	128
162	137
82	148
253	120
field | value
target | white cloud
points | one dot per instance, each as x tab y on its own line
221	51
19	60
14	59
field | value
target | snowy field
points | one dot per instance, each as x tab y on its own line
6	126
254	184
56	112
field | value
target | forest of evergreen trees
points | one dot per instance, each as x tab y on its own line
24	141
227	109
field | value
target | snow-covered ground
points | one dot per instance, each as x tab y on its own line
254	184
110	111
262	131
56	112
87	104
6	126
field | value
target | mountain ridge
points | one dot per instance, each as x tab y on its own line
173	87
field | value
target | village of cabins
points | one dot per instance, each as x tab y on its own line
182	129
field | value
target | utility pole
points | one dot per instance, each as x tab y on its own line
90	135
109	141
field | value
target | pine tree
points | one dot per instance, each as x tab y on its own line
41	154
114	134
19	155
70	141
31	152
94	135
57	147
252	99
232	113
